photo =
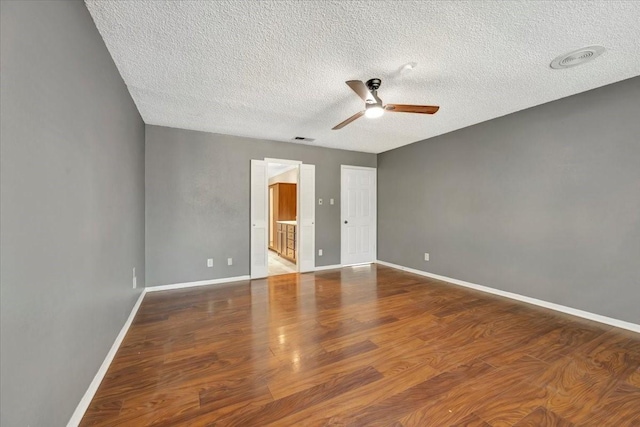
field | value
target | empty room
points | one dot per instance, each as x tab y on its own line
319	213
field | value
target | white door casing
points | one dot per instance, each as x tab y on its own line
259	207
306	218
272	232
358	214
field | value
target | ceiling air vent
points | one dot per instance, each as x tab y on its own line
577	57
302	138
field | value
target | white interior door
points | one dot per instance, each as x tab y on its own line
307	218
259	229
358	215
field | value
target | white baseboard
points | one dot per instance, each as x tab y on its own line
328	267
199	283
553	306
82	407
102	371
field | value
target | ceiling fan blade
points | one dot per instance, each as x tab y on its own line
407	108
349	120
361	89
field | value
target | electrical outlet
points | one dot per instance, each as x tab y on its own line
319	252
210	262
330	201
426	256
319	201
229	261
135	279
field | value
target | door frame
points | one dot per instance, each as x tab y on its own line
343	205
299	189
258	261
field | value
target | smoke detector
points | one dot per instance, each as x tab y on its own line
577	57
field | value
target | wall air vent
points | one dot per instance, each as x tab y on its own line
577	57
302	138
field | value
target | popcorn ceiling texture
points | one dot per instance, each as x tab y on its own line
276	69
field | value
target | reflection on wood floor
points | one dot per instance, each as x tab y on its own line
364	346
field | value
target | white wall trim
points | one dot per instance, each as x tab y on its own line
328	267
365	168
283	161
102	371
553	306
360	264
199	283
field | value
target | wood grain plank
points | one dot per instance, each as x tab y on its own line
619	408
291	404
498	397
542	417
364	346
334	411
471	420
398	405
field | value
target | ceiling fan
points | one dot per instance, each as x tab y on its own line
373	105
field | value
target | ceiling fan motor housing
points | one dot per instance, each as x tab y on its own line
373	84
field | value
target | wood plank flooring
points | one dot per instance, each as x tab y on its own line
365	346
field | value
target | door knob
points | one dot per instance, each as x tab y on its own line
346	222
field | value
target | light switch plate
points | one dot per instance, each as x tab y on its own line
210	262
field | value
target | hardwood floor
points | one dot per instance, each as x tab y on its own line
365	346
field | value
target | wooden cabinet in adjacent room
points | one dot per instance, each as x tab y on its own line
286	241
282	207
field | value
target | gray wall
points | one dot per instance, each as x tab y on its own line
72	208
544	202
197	201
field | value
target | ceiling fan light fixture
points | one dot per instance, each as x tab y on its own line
373	106
374	111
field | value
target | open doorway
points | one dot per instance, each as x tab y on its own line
282	222
305	232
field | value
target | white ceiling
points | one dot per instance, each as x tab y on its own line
276	69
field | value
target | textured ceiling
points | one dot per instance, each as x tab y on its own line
276	69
